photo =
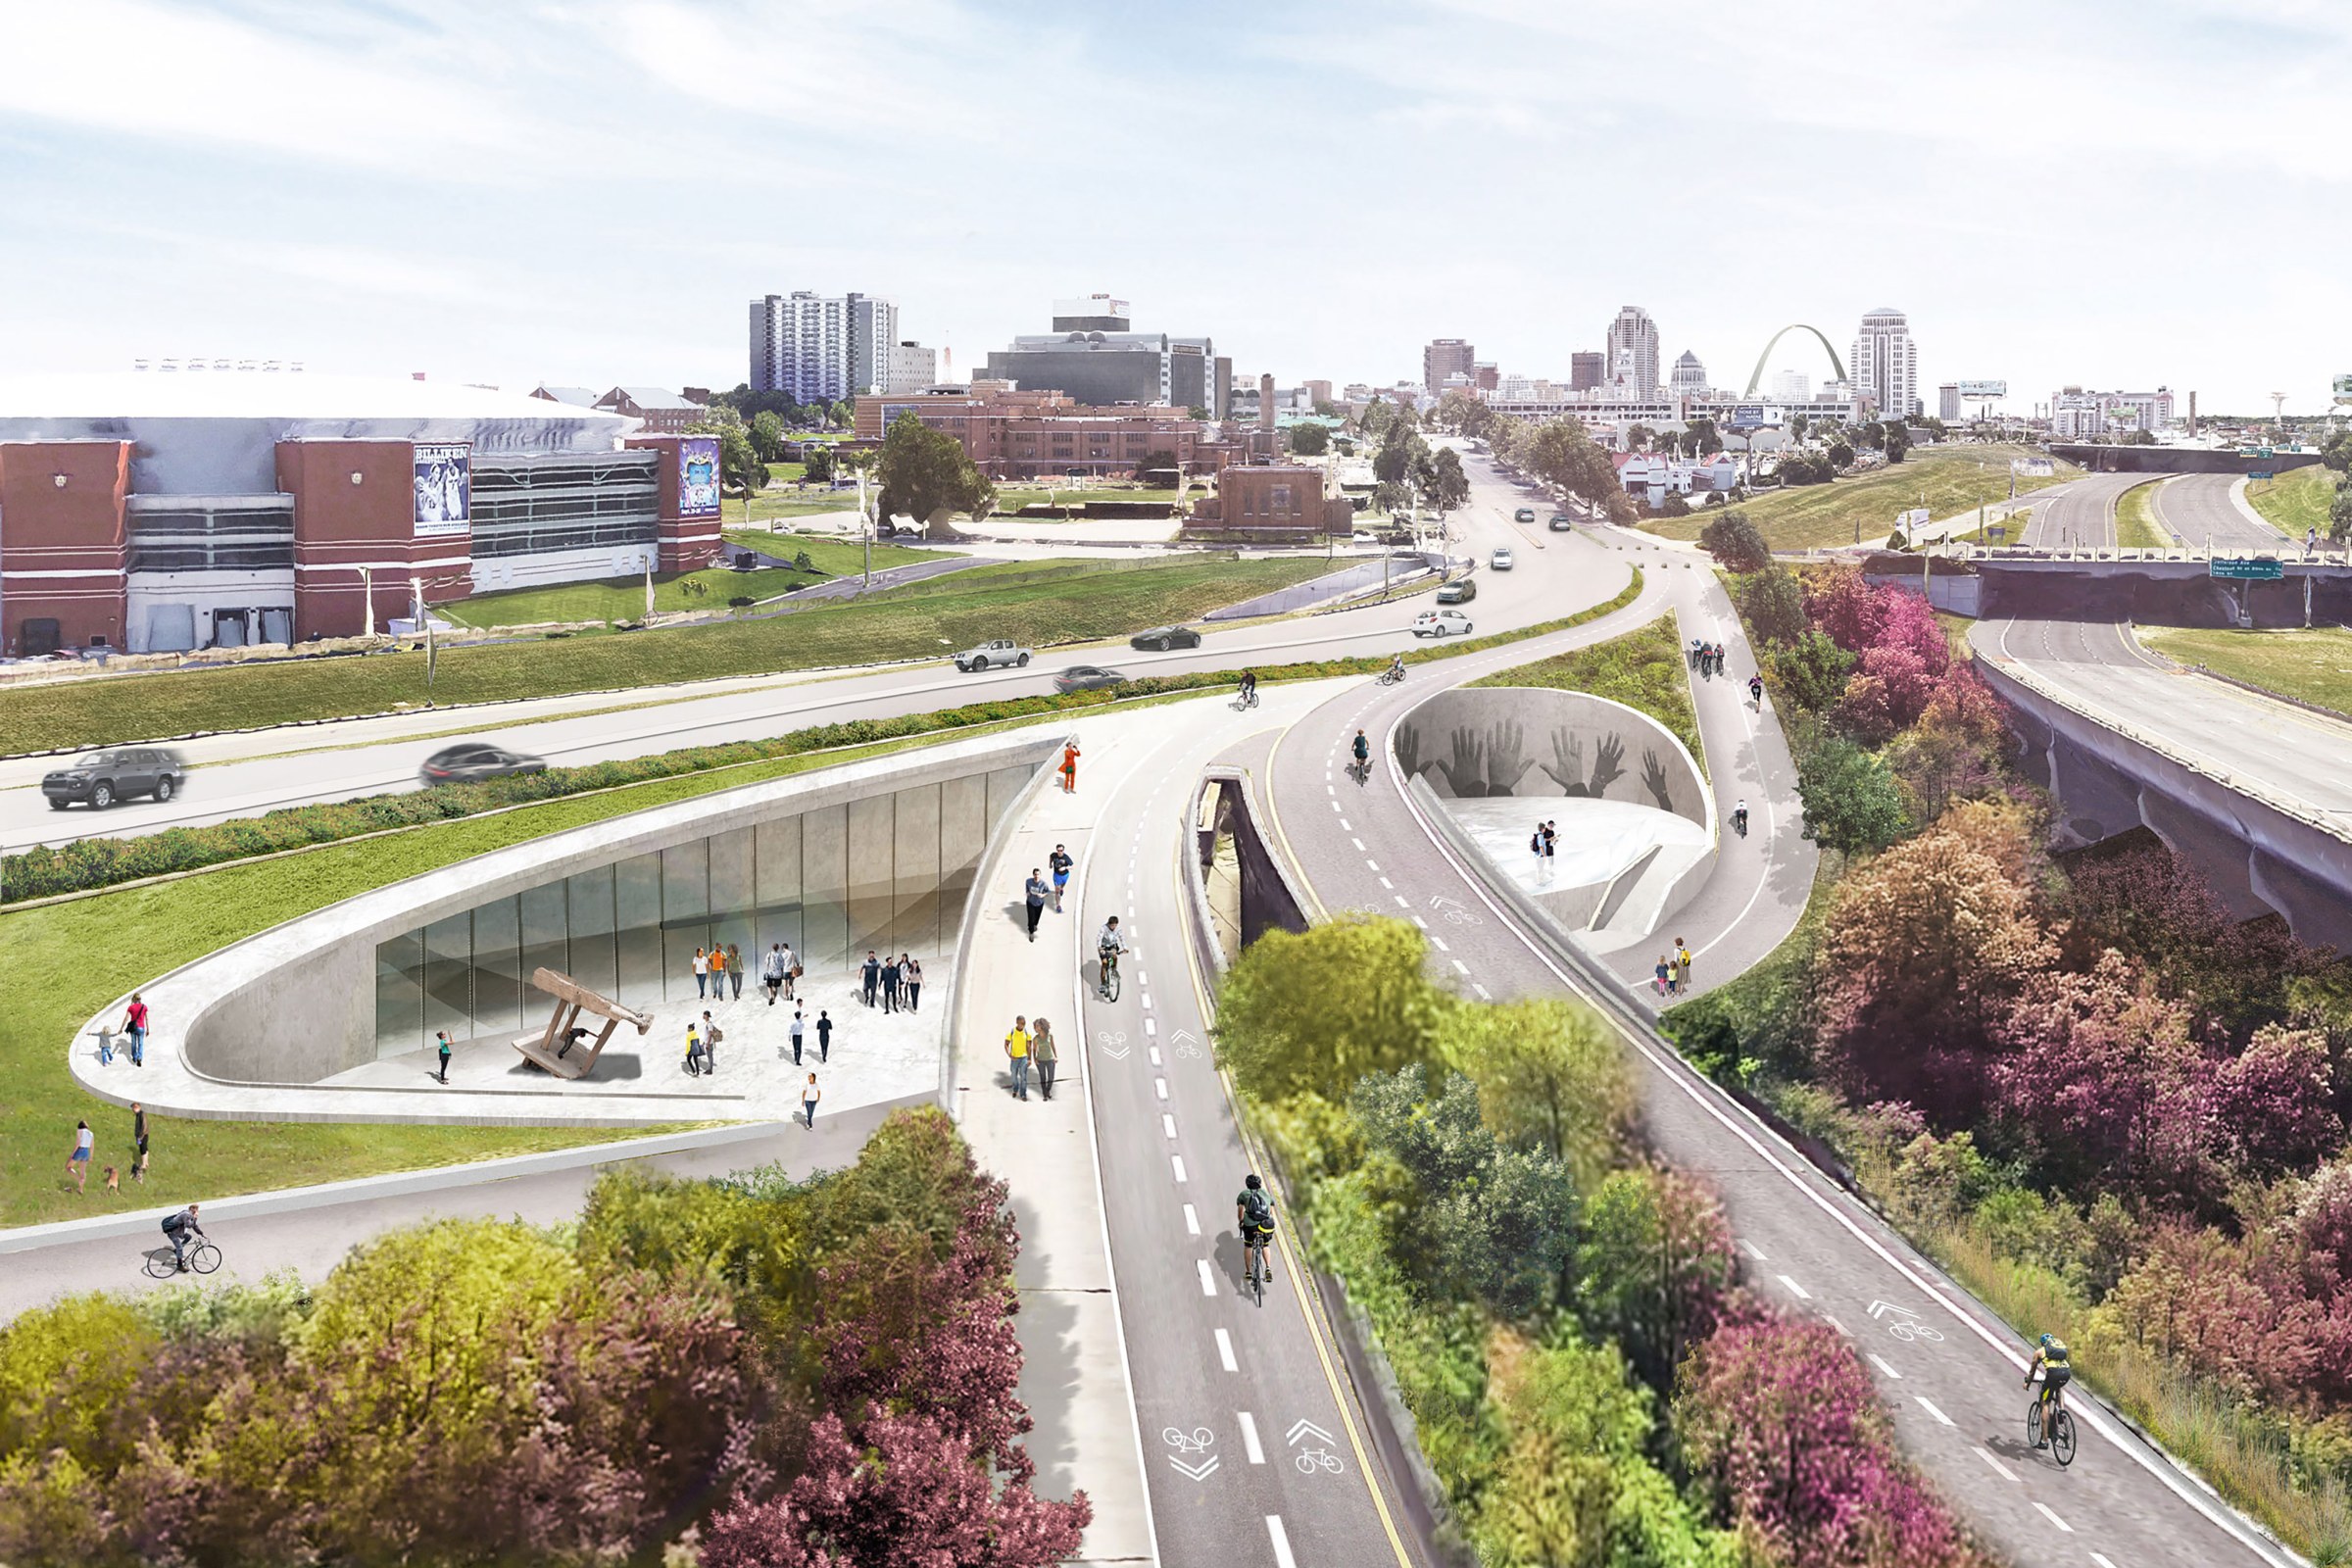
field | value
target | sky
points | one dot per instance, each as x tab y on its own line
2115	195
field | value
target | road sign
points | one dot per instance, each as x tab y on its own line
2260	473
1997	531
2246	568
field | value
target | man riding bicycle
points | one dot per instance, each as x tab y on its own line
1739	817
1254	1213
1109	944
2056	1373
1397	667
1248	688
1362	751
180	1229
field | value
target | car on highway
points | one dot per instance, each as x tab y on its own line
98	779
1500	560
470	761
994	654
1524	514
1441	623
1162	639
1461	590
1560	523
1087	679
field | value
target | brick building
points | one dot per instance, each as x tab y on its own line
1274	498
1012	434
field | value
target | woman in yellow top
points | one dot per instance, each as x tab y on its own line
1016	1050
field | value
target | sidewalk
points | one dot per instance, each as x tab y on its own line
1074	1373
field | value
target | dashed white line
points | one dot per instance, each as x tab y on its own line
1484	995
1161	1085
1460	967
1250	1442
1373	865
1402	902
1752	1249
1282	1543
2100	1560
1840	1326
1345	826
1998	1468
1154	1055
1424	925
1881	1362
1225	1352
1335	805
1208	1281
2053	1518
1928	1405
1192	1221
1150	1026
1167	1124
1331	789
1358	843
1437	941
1177	1161
1386	883
1798	1291
1147	1002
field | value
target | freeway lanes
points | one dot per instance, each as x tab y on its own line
2079	513
2203	509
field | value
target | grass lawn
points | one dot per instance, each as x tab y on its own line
835	558
787	472
621	598
772	504
1012	498
1951	479
2296	499
1645	668
2314	666
2136	524
1037	603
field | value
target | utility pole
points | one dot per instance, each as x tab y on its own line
866	530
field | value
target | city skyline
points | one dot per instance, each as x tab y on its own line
380	190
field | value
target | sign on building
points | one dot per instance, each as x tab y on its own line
1983	389
444	489
697	478
2033	467
2246	568
1748	417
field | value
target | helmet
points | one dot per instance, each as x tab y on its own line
2048	1339
1252	1181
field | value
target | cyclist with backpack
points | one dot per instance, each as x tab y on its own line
1254	1213
179	1230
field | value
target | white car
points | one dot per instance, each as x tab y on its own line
1500	560
1441	623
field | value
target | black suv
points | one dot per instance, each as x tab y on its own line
99	779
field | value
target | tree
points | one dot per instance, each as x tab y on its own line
1655	1267
1736	543
1899	442
1851	804
1448	486
1701	439
1872	434
1668	443
1310	440
1156	467
1548	1073
2339	513
816	462
1772	602
927	475
1840	454
1811	672
1312	1012
1637	438
1375	418
767	435
740	463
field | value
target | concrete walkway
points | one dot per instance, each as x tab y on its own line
1074	1377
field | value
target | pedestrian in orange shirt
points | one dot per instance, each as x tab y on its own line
1069	768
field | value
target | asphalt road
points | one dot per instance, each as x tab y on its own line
2199	512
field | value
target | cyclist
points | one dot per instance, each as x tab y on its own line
1254	1213
1109	944
1395	666
1248	688
1740	819
1060	862
1362	750
2056	1373
1756	690
179	1229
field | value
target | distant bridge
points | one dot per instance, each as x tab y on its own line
1757	374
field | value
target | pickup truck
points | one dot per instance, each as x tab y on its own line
991	656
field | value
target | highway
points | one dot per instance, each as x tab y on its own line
2199	509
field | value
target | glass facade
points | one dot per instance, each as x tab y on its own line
885	871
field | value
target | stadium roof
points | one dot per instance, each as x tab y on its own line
274	395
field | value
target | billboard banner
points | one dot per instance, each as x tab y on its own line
1747	417
698	476
1983	389
2343	389
444	489
2033	467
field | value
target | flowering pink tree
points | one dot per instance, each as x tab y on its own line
2276	1102
1844	604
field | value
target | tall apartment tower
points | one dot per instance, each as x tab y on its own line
1587	371
1886	364
1447	357
814	348
1634	350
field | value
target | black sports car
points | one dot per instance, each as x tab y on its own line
1085	678
469	760
1160	639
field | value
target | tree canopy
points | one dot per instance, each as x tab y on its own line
927	475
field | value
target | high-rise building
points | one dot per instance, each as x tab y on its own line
1690	377
1634	350
814	348
1585	371
1790	387
1104	366
1445	358
1886	364
1947	402
909	367
1097	312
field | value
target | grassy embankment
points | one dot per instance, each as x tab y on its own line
1946	480
2311	667
1039	604
624	597
1645	668
2294	501
2136	524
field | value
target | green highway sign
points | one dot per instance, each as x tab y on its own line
2260	474
2246	568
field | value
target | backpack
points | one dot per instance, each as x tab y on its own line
1258	1207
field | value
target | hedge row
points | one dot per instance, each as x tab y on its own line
100	862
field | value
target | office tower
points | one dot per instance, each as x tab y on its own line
1884	365
1689	379
1634	350
1585	371
814	348
1444	358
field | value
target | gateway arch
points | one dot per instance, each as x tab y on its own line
1757	374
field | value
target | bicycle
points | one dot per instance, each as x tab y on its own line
2061	1428
1390	676
1244	701
1107	988
203	1258
1255	1267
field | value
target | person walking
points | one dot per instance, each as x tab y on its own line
702	973
85	1141
138	1141
1069	768
718	972
1661	973
798	1024
1034	894
694	1050
824	1036
734	973
1552	848
441	1041
873	977
912	970
1682	965
712	1034
1060	864
771	971
1016	1050
810	1096
890	985
134	1024
1534	847
1042	1052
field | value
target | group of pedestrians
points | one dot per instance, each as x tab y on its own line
1544	845
134	1030
1037	889
895	983
1673	971
1705	656
1032	1043
85	1153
